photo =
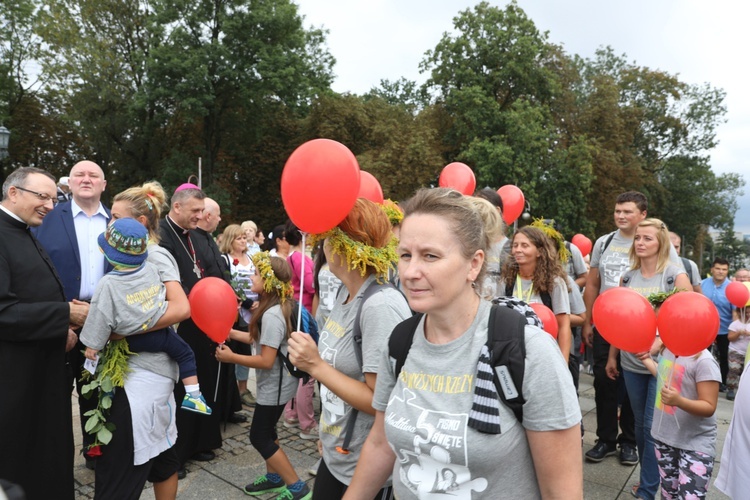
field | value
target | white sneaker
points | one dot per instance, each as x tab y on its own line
313	471
311	433
291	423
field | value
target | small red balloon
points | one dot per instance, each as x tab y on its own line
625	319
549	321
583	243
513	202
737	294
213	307
319	185
369	188
458	176
688	323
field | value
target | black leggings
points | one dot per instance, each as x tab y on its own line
328	487
263	435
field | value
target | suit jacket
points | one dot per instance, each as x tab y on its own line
57	234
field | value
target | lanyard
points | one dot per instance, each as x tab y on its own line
519	289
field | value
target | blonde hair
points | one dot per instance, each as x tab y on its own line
249	224
231	232
283	273
493	222
662	236
147	200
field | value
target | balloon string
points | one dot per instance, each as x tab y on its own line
218	376
301	283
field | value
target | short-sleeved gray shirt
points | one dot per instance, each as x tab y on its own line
427	410
273	334
380	314
575	265
559	295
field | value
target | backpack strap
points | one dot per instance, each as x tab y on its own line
507	345
371	290
607	242
545	296
401	340
688	268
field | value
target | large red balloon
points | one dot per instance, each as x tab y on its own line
625	319
319	185
213	307
549	321
513	202
583	243
688	323
737	294
458	176
369	188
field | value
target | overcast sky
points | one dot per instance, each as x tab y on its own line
701	41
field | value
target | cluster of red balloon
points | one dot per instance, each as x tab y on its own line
687	321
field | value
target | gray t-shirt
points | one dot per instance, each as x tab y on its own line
577	306
273	334
380	314
328	288
575	265
159	362
559	295
661	282
676	427
125	303
427	411
613	261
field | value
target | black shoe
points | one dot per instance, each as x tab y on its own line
237	418
628	454
204	456
91	463
600	451
722	387
730	395
181	473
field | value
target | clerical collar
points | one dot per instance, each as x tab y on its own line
2	207
185	232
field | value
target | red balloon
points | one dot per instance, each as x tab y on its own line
549	321
213	307
369	188
319	185
625	319
688	323
513	202
458	176
737	294
583	243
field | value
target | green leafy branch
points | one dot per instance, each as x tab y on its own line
658	298
110	374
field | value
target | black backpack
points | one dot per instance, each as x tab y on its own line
310	327
505	341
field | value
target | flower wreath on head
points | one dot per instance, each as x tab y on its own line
392	210
554	234
359	255
271	284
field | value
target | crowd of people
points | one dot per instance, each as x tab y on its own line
435	375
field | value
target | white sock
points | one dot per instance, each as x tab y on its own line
193	389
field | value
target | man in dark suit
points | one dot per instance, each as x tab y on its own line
36	434
69	235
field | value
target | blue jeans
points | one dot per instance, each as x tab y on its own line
642	393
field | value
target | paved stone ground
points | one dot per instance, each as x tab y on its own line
237	463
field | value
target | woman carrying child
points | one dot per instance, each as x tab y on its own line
270	327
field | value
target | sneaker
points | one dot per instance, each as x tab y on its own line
311	433
263	485
628	454
197	405
313	471
600	451
291	423
303	494
247	398
730	395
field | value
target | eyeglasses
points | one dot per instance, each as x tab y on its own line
42	196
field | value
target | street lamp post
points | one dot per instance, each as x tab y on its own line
4	140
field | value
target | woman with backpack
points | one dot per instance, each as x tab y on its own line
360	252
270	326
651	272
534	273
441	414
